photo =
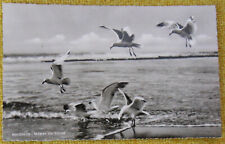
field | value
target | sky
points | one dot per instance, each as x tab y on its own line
33	28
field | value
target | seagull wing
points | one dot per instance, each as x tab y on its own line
162	24
127	38
118	32
104	27
126	97
57	72
168	24
108	94
60	60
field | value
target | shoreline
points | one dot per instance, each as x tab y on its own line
141	58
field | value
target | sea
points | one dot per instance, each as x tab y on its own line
180	90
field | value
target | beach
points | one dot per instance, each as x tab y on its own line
179	93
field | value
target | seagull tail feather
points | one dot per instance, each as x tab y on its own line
136	45
66	81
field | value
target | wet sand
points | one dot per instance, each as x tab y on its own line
165	132
61	129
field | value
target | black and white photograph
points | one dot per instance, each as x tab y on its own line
76	72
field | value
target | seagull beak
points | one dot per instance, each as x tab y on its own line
111	47
43	82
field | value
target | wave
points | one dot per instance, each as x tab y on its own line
43	115
27	59
23	110
14	110
18	106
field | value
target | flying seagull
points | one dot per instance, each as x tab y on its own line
104	104
132	107
186	31
126	40
57	73
78	109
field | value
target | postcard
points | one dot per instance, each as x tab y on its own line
75	72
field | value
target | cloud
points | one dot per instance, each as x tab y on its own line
56	39
90	41
150	39
203	37
34	41
56	44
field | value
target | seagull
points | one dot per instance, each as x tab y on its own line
186	31
132	107
79	109
126	40
104	104
57	73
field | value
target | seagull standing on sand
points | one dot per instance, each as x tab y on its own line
186	31
126	40
57	74
104	104
78	109
132	107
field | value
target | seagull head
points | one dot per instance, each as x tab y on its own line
139	102
93	104
171	32
66	108
112	46
115	45
191	18
46	81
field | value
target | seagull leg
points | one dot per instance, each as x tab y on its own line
133	129
62	90
121	135
133	123
130	52
186	42
133	52
189	43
